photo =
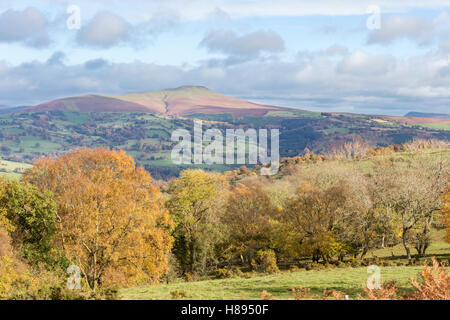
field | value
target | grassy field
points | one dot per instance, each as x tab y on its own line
348	280
12	169
438	126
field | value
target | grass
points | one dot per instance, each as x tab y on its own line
437	126
348	280
12	169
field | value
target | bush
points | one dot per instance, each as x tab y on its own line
435	284
223	273
177	294
354	262
266	261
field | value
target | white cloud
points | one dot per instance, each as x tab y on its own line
420	30
104	30
28	26
362	63
247	45
320	82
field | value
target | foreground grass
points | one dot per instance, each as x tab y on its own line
348	280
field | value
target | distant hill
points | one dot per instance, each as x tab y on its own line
8	109
180	101
428	115
89	103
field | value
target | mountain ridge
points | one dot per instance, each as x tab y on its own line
179	101
415	114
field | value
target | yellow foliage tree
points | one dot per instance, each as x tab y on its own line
248	214
314	216
111	220
195	199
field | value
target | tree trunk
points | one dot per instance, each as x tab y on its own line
191	256
366	245
422	239
405	244
364	252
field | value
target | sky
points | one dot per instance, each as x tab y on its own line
375	57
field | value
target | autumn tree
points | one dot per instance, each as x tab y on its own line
111	221
249	215
411	193
195	198
314	214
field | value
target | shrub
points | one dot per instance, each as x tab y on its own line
223	273
335	294
302	293
266	296
387	292
266	261
178	294
435	284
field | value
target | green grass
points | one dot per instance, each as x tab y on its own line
348	280
438	126
12	169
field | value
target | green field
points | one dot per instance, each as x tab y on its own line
438	126
348	280
12	169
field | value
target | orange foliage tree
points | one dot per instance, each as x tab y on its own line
111	220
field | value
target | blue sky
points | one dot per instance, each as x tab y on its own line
313	55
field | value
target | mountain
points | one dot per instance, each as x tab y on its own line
180	101
89	103
428	115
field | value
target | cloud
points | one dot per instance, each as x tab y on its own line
104	31
336	49
356	80
95	64
362	63
28	26
57	58
249	45
419	30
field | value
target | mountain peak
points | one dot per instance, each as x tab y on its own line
183	100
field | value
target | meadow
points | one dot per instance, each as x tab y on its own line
347	279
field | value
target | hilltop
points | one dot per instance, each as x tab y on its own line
179	101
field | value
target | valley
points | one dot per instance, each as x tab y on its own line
56	127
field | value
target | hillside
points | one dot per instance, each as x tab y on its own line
89	103
26	136
180	101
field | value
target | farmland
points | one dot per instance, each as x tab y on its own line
26	136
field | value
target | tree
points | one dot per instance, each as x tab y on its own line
249	214
411	193
111	220
31	215
447	213
314	214
194	203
